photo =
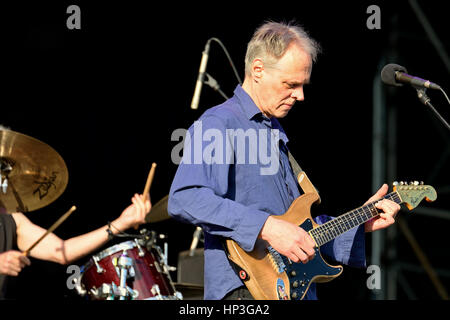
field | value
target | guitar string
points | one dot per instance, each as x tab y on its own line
335	227
347	221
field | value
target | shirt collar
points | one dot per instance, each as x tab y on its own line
248	105
252	112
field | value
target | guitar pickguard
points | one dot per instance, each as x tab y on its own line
302	275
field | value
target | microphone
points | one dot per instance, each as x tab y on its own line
195	240
201	75
395	75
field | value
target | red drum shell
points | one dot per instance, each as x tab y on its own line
148	271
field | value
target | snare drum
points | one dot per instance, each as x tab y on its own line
127	271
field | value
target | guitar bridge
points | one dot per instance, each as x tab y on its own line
276	259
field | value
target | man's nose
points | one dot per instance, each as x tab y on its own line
298	94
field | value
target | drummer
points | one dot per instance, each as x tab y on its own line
18	232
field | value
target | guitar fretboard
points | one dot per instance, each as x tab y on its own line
347	221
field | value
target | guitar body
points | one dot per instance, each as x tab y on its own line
271	276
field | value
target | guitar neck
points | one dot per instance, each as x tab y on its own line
347	221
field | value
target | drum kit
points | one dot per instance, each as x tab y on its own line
33	175
132	270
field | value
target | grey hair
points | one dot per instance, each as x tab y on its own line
271	40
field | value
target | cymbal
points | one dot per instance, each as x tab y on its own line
159	211
35	174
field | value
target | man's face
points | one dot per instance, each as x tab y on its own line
281	85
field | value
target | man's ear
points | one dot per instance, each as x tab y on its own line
257	69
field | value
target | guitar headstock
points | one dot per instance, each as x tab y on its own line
414	192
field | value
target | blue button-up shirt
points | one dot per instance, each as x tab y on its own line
235	172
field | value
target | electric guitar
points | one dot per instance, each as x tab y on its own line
269	275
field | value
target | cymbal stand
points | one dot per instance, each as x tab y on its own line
6	166
5	169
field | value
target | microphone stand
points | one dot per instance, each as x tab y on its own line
214	85
423	97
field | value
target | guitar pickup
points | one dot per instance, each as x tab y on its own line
276	259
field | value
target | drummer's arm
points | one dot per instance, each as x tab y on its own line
52	248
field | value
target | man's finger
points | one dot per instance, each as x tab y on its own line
379	194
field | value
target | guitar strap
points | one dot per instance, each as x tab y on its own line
303	180
294	165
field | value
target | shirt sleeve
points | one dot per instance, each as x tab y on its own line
349	248
200	193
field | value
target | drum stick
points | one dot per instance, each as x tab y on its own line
51	229
151	174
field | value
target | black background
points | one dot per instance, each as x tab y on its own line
108	97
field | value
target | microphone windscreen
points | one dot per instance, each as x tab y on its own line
388	74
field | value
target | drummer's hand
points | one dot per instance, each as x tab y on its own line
134	214
12	262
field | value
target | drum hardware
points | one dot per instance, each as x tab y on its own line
111	291
78	287
106	291
130	273
164	257
166	254
156	292
125	263
141	252
158	296
195	239
4	185
146	238
178	295
99	268
134	294
5	169
81	292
